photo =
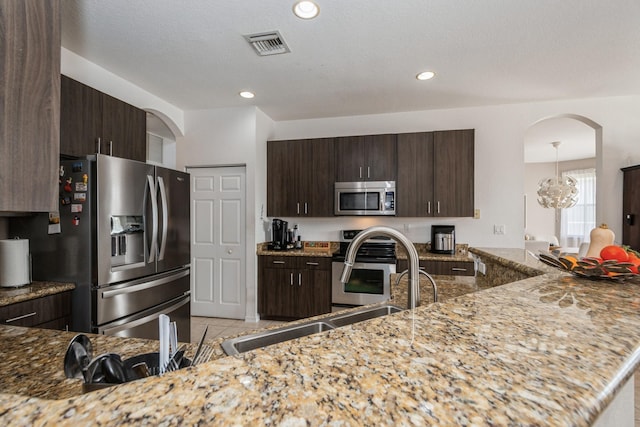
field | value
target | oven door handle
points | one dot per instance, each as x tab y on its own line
110	293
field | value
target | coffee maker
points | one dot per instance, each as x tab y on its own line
443	239
279	234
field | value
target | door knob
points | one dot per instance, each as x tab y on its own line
230	251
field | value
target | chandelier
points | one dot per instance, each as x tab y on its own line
559	192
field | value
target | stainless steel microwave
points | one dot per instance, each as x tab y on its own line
365	198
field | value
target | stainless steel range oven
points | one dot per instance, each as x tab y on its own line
370	279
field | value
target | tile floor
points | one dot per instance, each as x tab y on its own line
219	328
227	327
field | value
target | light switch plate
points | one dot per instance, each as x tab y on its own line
476	214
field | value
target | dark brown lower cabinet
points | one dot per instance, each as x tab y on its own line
293	287
441	268
49	312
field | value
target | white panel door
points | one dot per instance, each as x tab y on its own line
218	242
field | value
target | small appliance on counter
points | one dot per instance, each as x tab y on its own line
279	235
15	263
443	239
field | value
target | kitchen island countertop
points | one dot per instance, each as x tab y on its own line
519	354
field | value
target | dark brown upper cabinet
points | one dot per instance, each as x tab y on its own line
366	158
92	122
436	174
414	187
300	177
29	105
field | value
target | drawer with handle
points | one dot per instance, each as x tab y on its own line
37	311
442	268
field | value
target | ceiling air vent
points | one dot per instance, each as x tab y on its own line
270	43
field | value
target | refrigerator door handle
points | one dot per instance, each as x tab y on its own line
154	219
142	286
165	217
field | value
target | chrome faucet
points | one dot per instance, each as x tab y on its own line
413	298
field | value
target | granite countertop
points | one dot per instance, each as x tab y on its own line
424	252
548	350
32	291
35	359
262	249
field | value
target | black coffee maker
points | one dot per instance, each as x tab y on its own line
279	234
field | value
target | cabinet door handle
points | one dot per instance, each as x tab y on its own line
458	269
438	206
24	316
99	146
278	262
312	263
291	279
428	207
111	148
297	209
368	172
360	172
299	279
306	208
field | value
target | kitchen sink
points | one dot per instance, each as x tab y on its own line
269	337
362	315
273	336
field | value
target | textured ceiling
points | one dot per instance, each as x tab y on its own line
361	56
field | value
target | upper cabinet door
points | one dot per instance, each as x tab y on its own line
29	105
318	194
380	158
80	118
283	158
349	152
454	173
414	187
124	129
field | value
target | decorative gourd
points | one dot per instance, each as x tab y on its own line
600	237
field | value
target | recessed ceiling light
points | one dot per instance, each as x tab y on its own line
247	94
426	75
306	9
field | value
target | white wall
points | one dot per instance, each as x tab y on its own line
227	137
540	221
499	164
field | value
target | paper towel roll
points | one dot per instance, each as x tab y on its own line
14	263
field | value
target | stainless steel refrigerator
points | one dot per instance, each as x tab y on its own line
122	236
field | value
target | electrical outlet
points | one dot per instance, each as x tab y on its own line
476	213
498	229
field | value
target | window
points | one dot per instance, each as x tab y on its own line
578	221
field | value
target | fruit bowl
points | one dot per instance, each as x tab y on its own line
592	268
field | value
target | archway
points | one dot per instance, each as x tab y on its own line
161	139
581	148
